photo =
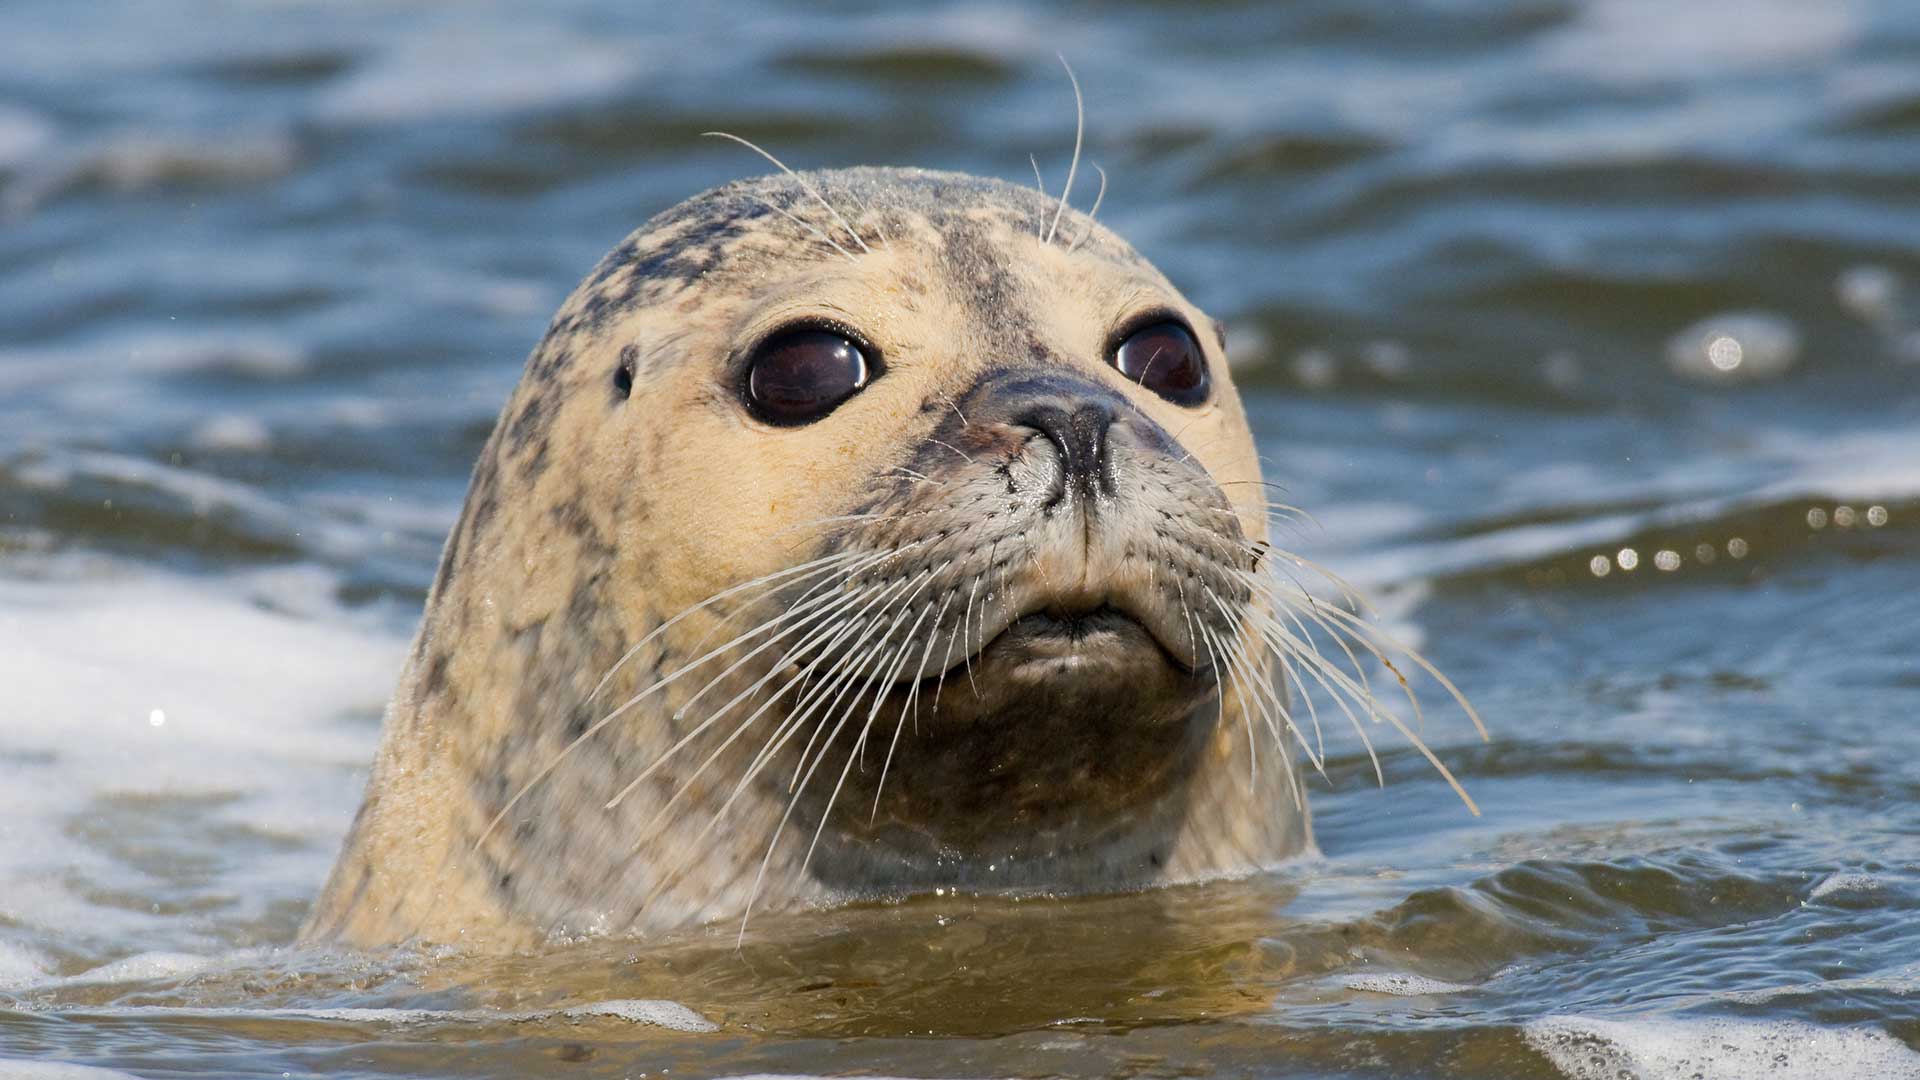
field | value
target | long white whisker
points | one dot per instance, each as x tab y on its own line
1079	131
1093	212
808	188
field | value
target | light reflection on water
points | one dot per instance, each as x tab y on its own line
1586	334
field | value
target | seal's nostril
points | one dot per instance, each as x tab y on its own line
1079	436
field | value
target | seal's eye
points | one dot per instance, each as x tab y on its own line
1164	358
802	375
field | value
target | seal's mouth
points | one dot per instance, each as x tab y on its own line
1054	642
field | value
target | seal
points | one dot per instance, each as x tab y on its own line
850	534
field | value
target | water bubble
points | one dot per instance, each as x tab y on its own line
1315	368
1737	548
1387	359
1666	559
1735	346
1876	516
1627	558
1843	516
1868	292
1817	518
1704	554
1561	370
1247	347
1600	565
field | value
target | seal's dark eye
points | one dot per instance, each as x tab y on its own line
802	375
1164	358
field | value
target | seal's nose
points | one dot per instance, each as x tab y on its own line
1078	431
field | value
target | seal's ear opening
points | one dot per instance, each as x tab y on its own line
623	375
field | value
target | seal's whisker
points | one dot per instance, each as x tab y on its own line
820	565
896	662
822	622
837	633
777	739
964	456
1253	751
867	212
1363	634
859	626
1079	132
592	729
779	829
1093	212
872	666
1366	629
798	179
1235	652
1284	648
807	225
912	704
904	603
1039	233
955	406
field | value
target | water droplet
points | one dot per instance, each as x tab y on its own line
1737	548
1666	559
1627	558
1843	516
157	717
1600	565
1876	516
1817	518
1704	553
1739	345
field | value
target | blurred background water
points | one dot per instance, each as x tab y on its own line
1589	333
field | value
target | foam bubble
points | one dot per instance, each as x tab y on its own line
1585	1048
1401	984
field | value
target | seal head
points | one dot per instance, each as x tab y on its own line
850	534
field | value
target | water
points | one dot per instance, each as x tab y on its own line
1589	333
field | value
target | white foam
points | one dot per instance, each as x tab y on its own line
1401	984
653	1013
666	1014
1585	1048
250	705
1844	883
55	1070
145	967
21	966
